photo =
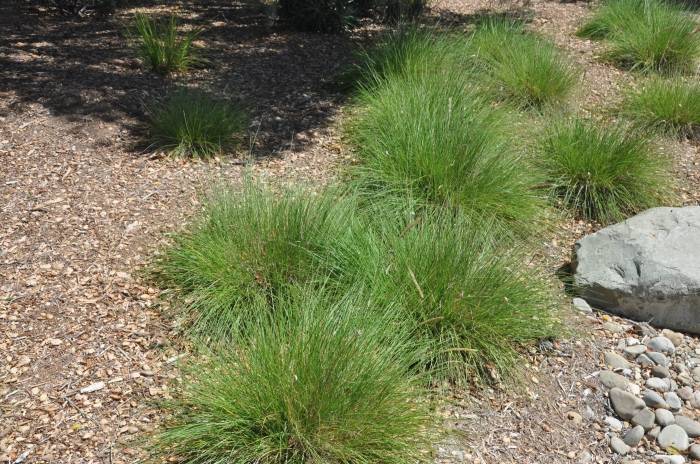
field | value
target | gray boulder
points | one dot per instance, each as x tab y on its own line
646	268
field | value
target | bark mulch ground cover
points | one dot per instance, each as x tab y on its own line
86	350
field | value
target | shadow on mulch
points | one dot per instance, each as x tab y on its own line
85	70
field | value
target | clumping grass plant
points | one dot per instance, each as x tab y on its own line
469	304
319	380
248	247
472	304
434	138
411	51
670	105
162	47
521	67
603	173
193	123
612	16
650	35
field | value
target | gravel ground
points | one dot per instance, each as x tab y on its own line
85	346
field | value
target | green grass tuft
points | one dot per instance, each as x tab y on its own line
472	304
411	51
248	248
192	123
313	382
434	138
665	44
650	35
522	68
671	105
612	16
603	173
501	58
162	48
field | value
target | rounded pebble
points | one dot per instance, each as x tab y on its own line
695	452
661	385
646	418
658	358
673	401
691	427
664	417
625	404
614	423
661	344
660	371
673	436
619	446
634	436
654	400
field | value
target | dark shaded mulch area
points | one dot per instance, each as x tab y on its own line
83	68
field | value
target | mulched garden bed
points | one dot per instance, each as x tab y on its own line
84	205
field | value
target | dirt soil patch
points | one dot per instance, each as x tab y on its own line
86	352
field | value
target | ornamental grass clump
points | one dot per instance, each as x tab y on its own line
316	380
162	47
649	35
192	123
473	304
520	67
670	105
436	139
612	16
470	305
409	52
248	247
603	173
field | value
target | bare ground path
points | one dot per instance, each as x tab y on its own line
82	209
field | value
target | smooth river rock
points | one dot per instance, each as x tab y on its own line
634	436
654	400
661	344
616	361
658	358
691	427
646	418
611	380
664	417
619	446
673	436
661	385
625	404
